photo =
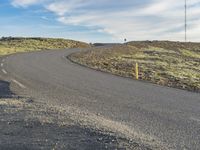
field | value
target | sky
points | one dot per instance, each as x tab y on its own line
100	20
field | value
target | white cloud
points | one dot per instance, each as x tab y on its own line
24	3
60	8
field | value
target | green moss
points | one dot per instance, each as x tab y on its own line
189	53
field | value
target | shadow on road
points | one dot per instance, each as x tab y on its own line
5	91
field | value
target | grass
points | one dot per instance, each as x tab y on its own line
13	45
172	64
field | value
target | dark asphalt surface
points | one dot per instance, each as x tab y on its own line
170	115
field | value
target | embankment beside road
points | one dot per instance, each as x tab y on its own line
172	64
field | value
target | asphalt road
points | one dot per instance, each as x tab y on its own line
170	115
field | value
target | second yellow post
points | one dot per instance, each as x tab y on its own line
136	71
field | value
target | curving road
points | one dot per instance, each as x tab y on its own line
170	115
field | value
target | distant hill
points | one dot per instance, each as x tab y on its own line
9	45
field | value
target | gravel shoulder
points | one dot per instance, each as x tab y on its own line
25	125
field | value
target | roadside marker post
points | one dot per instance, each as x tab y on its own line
136	71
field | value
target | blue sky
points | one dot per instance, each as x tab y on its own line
100	20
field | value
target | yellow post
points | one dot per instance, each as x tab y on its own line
136	71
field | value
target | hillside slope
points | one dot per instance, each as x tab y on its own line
13	45
172	64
